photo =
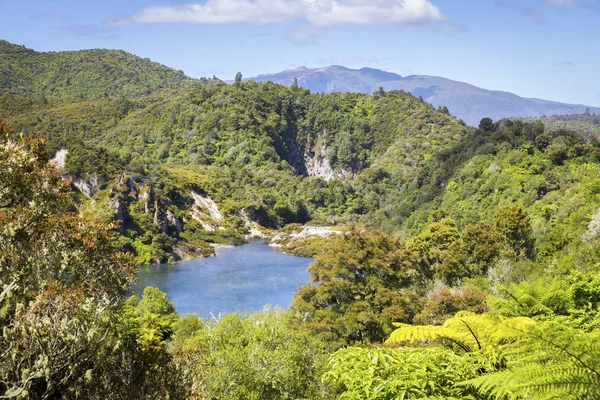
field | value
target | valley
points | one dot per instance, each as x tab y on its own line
415	255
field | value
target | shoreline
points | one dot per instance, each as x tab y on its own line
274	239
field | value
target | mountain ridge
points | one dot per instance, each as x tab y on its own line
464	100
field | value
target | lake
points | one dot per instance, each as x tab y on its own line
238	279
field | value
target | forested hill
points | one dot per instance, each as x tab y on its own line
205	163
81	74
274	154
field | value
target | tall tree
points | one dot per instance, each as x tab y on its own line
360	286
61	287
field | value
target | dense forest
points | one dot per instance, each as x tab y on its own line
468	266
586	124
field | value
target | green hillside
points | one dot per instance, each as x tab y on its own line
81	74
467	267
282	154
587	125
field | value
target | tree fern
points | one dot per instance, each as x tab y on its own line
540	299
527	359
549	361
466	332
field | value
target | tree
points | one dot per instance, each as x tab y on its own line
258	357
295	84
514	226
481	245
437	252
360	286
445	303
444	110
486	125
345	149
61	287
238	79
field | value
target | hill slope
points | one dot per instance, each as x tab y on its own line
260	151
86	73
465	101
588	126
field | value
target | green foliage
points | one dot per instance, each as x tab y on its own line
465	333
249	357
514	225
587	126
512	207
445	303
382	373
250	144
436	248
549	361
88	73
524	359
360	286
62	285
573	300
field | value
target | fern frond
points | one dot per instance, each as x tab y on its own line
467	331
548	361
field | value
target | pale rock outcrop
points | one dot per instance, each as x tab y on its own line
305	232
173	220
60	158
593	230
317	163
118	207
206	212
253	227
88	188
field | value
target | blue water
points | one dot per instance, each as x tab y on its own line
238	279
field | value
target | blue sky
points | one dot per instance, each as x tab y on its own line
534	48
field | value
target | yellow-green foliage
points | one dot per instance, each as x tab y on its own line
524	358
401	373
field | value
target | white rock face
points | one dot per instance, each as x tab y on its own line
317	164
60	158
253	227
304	233
206	212
593	229
89	188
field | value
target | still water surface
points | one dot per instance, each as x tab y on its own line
242	278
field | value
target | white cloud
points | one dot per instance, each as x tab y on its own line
565	64
535	9
563	3
304	34
319	13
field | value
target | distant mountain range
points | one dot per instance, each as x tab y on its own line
467	102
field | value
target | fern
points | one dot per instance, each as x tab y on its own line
527	359
549	361
541	299
465	332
